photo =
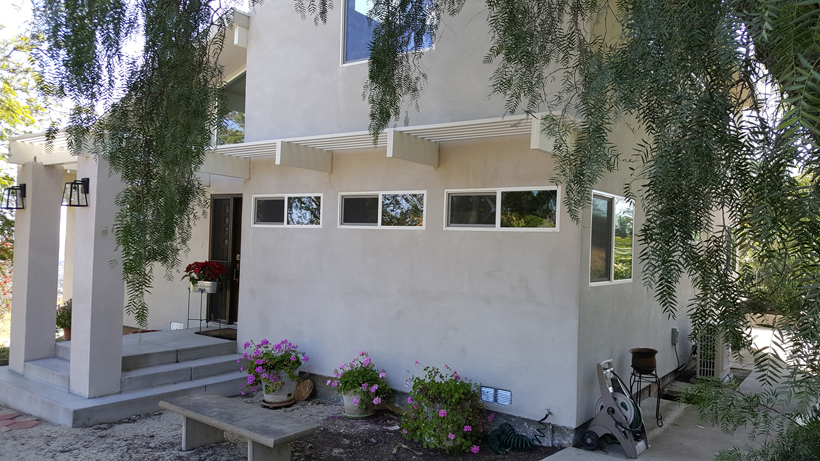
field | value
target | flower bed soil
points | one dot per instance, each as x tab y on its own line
157	436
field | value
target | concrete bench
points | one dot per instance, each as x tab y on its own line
206	417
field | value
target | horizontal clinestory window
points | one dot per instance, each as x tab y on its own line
511	209
394	210
287	210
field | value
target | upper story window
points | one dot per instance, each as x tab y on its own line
358	31
287	210
502	209
232	128
382	209
611	238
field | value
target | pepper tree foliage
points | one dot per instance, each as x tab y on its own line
150	116
726	99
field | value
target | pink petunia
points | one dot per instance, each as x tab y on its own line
364	386
409	399
377	401
451	436
468	428
328	382
382	375
355	400
474	449
442	413
491	417
374	388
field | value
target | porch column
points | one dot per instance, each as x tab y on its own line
36	259
98	292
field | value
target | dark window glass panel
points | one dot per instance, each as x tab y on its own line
528	208
270	211
472	210
624	214
402	209
360	210
304	211
600	258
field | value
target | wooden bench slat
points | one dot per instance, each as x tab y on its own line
254	423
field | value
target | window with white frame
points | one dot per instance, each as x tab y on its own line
287	210
611	238
358	31
522	208
382	209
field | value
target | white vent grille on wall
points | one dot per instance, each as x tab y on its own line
493	395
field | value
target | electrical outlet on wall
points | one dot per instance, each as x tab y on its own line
675	333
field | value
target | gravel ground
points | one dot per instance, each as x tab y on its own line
157	436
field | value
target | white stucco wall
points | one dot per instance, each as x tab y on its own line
296	85
500	307
168	299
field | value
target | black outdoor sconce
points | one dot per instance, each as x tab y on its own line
14	197
76	193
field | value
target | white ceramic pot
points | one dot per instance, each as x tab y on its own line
352	410
285	393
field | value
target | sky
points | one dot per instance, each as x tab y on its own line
13	15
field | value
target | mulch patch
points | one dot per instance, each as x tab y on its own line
369	440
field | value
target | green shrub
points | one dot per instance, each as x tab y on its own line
360	378
445	412
64	315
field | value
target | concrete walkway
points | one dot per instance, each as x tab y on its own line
683	437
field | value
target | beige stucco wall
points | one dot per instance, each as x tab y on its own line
615	317
296	85
500	307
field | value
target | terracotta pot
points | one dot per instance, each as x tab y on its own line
643	359
67	334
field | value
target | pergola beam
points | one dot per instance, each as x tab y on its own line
412	148
305	157
226	165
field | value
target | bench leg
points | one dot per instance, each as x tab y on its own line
195	434
258	452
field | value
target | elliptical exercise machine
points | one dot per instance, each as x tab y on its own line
617	415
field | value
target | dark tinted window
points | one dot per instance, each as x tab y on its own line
360	210
472	210
600	261
270	211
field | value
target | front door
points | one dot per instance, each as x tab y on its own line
226	233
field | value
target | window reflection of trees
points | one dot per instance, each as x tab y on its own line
402	209
624	214
304	211
528	208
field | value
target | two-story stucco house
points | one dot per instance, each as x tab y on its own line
445	243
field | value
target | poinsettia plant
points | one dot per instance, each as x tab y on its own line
360	378
265	362
204	271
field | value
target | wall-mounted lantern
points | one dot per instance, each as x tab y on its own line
14	197
76	193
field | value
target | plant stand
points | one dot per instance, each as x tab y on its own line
202	291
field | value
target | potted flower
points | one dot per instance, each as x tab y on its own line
204	276
64	319
361	386
272	368
444	411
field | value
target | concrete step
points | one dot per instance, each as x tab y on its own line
53	371
172	373
163	347
58	406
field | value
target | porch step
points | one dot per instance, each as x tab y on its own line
58	406
173	373
53	371
163	347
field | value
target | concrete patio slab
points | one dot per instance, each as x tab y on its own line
683	437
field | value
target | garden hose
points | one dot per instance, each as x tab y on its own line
542	430
505	437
